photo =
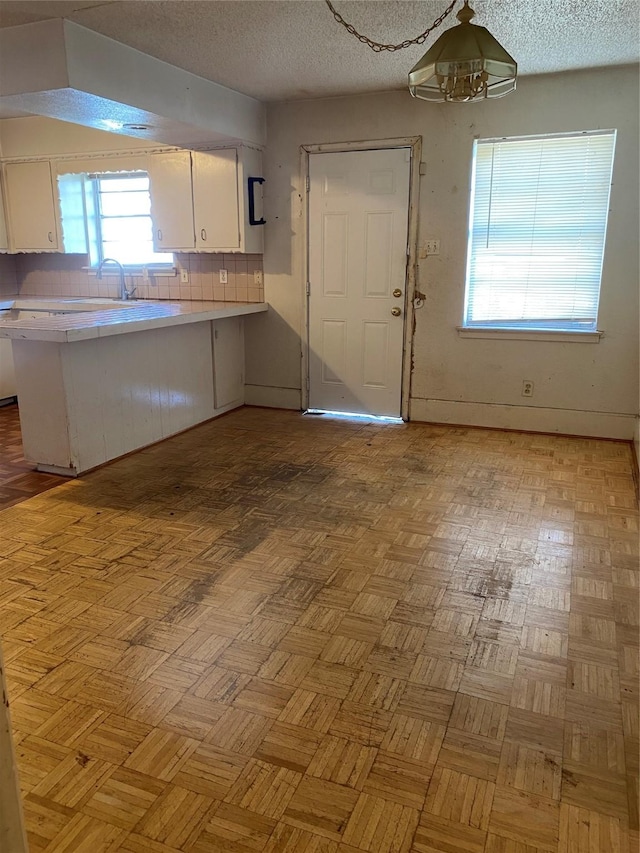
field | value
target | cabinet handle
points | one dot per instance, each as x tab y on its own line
251	183
50	236
203	235
160	235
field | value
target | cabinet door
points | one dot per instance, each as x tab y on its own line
171	201
7	374
228	362
215	200
31	207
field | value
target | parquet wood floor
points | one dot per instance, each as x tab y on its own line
18	479
286	634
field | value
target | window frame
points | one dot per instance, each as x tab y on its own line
554	329
96	241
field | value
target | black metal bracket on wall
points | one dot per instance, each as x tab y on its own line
252	201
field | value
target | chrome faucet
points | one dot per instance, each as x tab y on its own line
124	293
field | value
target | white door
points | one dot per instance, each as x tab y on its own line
358	215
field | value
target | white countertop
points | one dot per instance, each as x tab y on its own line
97	318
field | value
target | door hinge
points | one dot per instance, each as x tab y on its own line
307	383
308	288
307	183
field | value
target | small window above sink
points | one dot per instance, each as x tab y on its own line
119	220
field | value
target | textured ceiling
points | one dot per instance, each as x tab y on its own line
287	49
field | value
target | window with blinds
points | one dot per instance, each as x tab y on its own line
121	223
537	227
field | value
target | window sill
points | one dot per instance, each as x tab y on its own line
134	270
531	335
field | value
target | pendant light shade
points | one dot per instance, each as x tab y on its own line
465	64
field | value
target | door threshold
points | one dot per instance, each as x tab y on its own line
387	419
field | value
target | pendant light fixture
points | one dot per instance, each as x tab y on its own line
465	64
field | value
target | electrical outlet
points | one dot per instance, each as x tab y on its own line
257	277
432	247
184	276
527	388
223	277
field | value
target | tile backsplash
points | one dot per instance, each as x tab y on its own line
8	279
63	275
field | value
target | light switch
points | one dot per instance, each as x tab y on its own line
184	276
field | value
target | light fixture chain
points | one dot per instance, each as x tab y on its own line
376	45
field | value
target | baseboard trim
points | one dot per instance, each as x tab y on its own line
524	418
273	397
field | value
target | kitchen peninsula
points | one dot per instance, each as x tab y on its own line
101	381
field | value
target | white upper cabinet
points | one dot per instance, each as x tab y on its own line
31	207
215	200
172	201
201	200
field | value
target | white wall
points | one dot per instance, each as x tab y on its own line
580	388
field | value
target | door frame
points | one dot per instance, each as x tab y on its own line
414	143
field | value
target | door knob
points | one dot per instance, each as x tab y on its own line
396	312
397	292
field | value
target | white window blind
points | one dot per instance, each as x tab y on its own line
537	229
123	225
